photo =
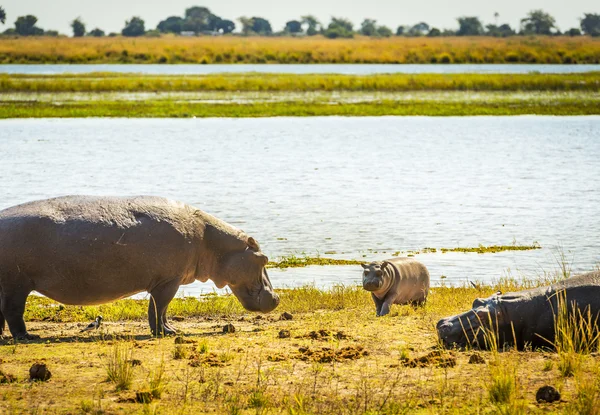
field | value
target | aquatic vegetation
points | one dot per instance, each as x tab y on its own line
176	109
293	261
256	82
481	249
312	49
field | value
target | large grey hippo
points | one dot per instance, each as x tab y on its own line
525	317
396	281
86	250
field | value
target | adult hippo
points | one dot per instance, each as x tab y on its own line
524	318
396	281
85	250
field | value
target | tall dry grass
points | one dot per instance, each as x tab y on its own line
171	49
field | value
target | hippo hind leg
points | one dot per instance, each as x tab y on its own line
161	296
12	308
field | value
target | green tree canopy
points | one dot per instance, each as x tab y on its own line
313	25
368	27
78	27
384	31
172	24
225	26
293	26
538	22
25	26
96	33
339	27
200	19
590	24
419	29
434	32
2	15
469	26
134	27
261	26
503	30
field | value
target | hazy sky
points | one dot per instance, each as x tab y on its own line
110	15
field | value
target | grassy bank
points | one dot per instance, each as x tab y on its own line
254	95
150	109
170	49
332	357
110	82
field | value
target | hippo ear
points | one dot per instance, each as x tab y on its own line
261	258
253	244
383	265
365	266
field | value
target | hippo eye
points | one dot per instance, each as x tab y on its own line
366	272
379	273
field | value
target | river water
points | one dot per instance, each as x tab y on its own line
355	188
352	69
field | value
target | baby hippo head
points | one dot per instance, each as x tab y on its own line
373	275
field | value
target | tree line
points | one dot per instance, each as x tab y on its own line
199	20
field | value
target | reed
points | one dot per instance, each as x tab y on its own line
111	82
316	49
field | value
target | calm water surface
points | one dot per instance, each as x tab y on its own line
357	188
356	69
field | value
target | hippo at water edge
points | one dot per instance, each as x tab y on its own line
85	250
396	281
522	319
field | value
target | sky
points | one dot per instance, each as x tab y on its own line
110	15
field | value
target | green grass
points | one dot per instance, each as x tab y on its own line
111	82
167	109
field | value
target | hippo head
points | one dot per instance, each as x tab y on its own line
247	277
373	276
472	327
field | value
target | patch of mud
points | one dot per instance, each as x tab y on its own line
182	340
7	378
547	394
327	354
284	334
435	358
476	359
324	335
206	359
277	357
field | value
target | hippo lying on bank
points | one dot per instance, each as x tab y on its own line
396	281
524	317
85	250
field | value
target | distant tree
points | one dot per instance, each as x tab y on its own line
293	26
2	15
419	29
225	26
590	24
538	22
434	32
573	32
368	27
25	26
246	23
261	26
499	31
200	19
78	27
469	26
51	33
401	30
339	27
172	24
384	31
96	33
134	27
314	26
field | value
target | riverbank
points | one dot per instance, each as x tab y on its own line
313	49
329	354
253	95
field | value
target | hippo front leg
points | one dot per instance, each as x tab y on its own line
378	303
160	298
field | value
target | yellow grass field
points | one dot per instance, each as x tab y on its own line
231	49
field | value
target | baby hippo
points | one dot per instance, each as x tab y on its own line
396	281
